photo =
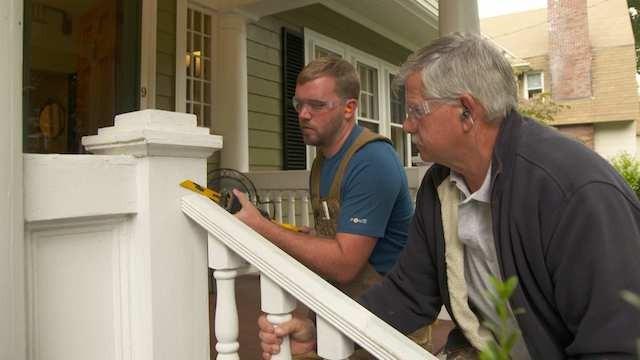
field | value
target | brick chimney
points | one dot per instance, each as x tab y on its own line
569	49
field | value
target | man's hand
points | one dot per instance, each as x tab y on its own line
307	230
248	214
300	329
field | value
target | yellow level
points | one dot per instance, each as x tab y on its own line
215	196
188	184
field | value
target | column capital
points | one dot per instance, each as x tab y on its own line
154	133
235	18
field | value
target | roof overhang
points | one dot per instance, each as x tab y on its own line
410	23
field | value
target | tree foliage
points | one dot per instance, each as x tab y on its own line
541	107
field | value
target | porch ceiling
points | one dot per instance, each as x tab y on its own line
409	23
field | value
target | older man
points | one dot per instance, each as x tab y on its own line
507	197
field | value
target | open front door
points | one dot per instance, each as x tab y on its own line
81	68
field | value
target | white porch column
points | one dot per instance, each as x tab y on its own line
12	275
167	273
231	119
458	16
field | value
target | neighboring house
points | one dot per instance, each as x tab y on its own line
232	63
582	52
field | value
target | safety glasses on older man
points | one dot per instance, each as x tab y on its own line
418	111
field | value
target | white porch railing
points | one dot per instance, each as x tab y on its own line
288	191
340	320
114	269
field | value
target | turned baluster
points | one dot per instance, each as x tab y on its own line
278	305
332	344
226	265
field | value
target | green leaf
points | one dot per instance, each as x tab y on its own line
631	298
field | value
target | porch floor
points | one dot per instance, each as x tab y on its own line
248	302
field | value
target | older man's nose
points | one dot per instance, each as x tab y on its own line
408	126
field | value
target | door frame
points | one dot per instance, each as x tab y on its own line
12	263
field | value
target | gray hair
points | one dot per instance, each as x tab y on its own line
465	63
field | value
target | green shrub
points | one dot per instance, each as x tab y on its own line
505	335
629	167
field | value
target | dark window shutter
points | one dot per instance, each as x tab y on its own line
294	149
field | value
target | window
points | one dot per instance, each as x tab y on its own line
533	84
380	108
319	52
194	63
368	111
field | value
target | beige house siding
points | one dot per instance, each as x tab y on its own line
614	88
166	55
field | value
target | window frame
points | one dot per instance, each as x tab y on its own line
525	83
355	56
181	49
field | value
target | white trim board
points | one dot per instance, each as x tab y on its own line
12	265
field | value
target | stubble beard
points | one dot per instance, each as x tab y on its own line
326	137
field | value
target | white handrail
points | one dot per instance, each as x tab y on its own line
329	303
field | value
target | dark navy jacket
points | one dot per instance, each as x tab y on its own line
564	222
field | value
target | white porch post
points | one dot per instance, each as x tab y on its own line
148	54
12	276
458	16
231	119
168	287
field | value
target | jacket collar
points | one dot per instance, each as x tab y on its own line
504	150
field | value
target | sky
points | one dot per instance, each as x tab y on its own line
488	8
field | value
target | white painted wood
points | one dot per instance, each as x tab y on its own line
78	289
154	133
278	205
275	300
100	185
125	279
332	344
12	276
181	51
280	180
304	211
169	253
221	257
226	326
278	305
226	265
458	16
344	313
148	31
291	207
231	120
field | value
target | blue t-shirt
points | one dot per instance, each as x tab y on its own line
375	198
